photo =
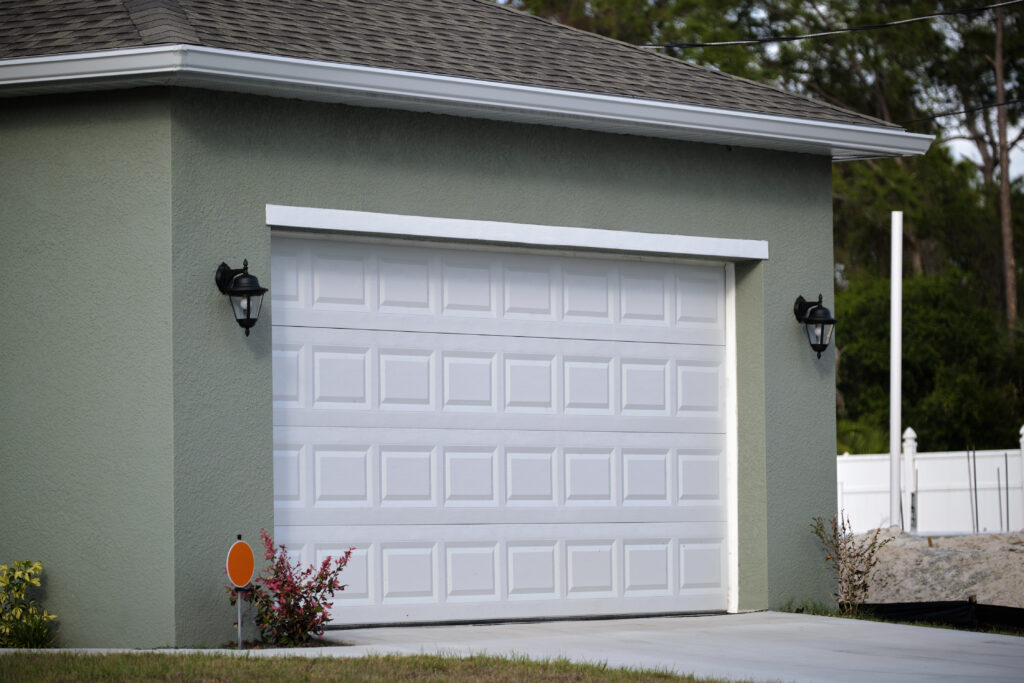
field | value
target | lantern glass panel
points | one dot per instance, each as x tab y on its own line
819	335
240	306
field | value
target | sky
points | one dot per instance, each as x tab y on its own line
965	149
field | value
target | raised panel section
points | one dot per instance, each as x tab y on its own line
356	574
699	476
533	571
700	295
286	274
591	568
528	292
467	288
407	476
470	477
588	477
489	292
405	284
586	294
645	476
422	572
699	387
341	378
342	475
288	475
339	281
645	386
469	381
700	564
287	374
472	571
644	297
406	379
648	567
529	383
530	476
588	384
410	572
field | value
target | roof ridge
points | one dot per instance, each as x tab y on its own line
161	22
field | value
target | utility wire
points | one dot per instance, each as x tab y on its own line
963	111
787	39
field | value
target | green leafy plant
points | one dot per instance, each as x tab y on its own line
849	558
291	602
23	622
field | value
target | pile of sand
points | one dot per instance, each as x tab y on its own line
931	568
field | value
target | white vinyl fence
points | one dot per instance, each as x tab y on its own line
941	488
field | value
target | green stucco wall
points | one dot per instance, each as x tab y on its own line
86	430
234	154
145	385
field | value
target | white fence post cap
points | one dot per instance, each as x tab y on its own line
911	434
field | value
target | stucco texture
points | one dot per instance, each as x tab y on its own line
136	417
85	361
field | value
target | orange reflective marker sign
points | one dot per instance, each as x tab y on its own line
241	564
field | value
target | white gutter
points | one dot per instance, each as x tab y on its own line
188	65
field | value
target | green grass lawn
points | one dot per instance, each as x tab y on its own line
59	666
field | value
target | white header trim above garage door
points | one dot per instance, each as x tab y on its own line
522	234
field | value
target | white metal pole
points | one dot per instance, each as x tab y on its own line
910	497
895	369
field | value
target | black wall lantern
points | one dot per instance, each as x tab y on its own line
817	320
243	291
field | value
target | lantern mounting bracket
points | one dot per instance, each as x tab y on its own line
226	274
800	308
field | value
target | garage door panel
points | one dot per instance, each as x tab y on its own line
400	573
501	434
331	476
450	290
416	380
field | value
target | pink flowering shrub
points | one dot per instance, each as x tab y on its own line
291	602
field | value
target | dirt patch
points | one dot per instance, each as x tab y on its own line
931	568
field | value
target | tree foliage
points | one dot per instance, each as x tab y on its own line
962	382
962	373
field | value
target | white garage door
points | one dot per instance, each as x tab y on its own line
501	434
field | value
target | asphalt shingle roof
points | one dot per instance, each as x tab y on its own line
466	38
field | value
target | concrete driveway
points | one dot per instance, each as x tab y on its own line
759	646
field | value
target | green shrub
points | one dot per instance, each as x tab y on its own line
23	622
291	602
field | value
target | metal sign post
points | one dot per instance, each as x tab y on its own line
241	564
238	604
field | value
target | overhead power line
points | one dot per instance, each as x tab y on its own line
991	105
871	27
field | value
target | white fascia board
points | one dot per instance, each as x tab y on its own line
517	234
332	81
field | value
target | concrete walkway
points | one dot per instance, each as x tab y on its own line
758	646
761	646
